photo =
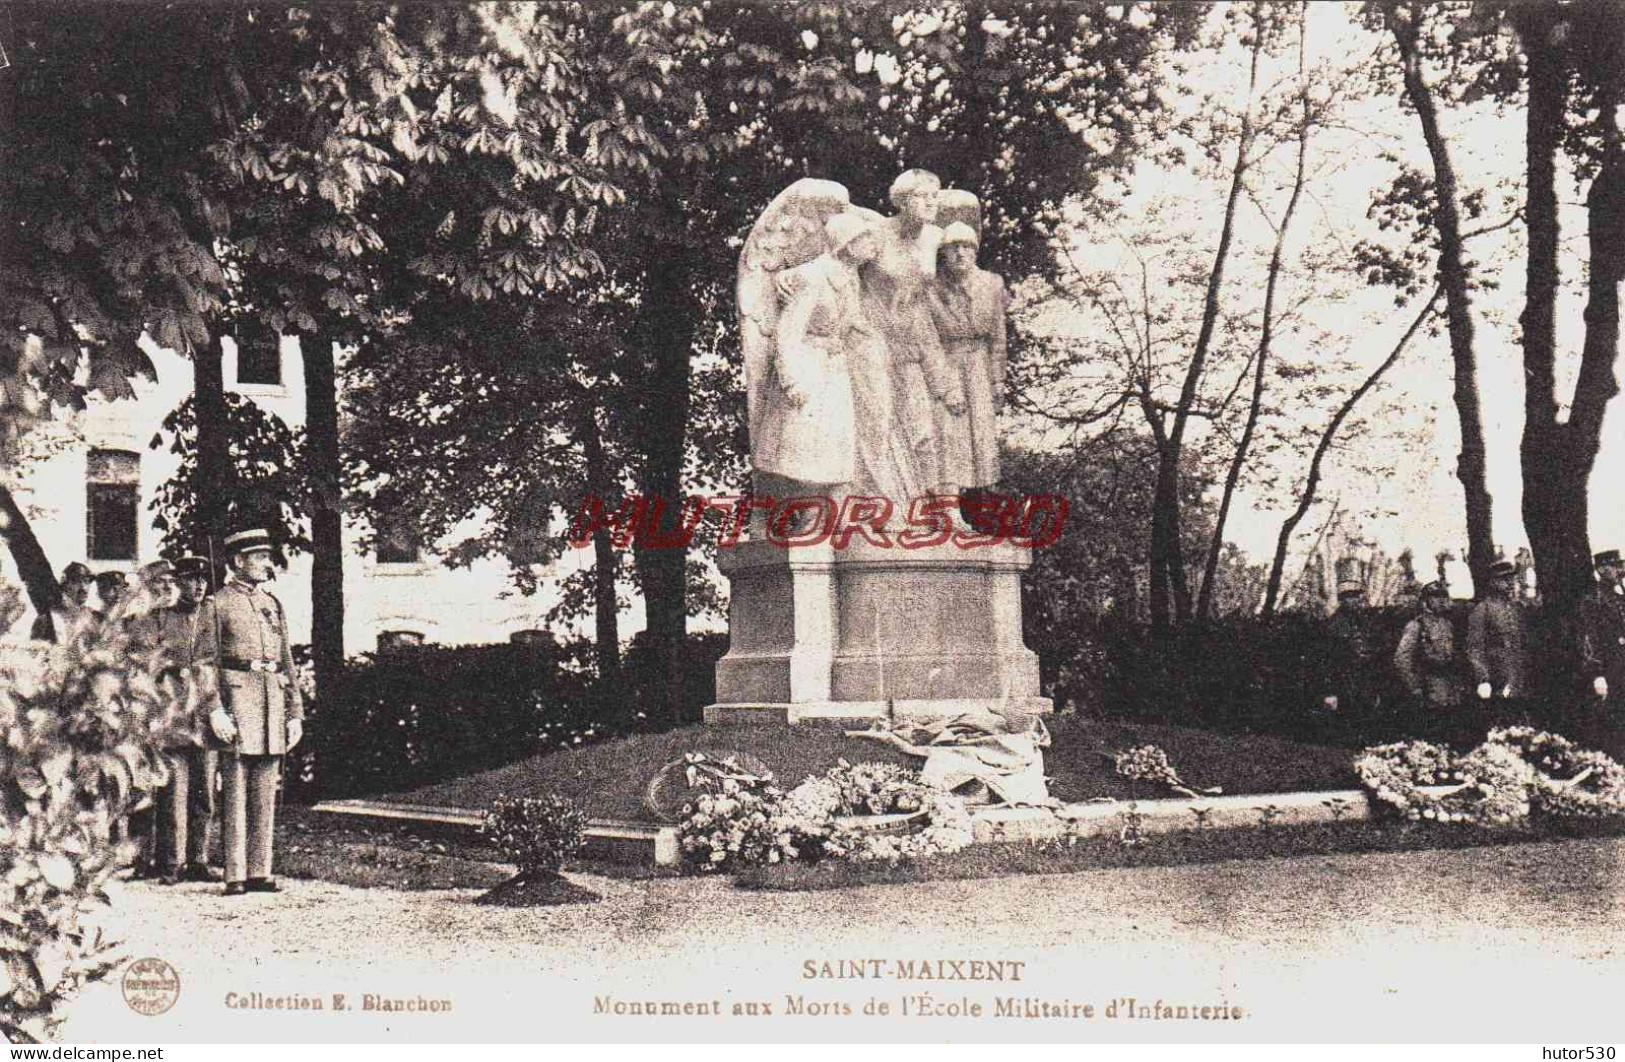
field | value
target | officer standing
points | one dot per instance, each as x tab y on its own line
112	588
242	634
1602	654
1428	664
183	808
1498	646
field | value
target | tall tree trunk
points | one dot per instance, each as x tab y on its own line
662	565
1204	606
213	441
1557	457
1306	499
326	511
33	566
1167	548
606	616
1404	23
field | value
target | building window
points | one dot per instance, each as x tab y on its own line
259	361
112	501
399	541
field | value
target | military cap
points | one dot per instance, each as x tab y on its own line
106	579
1437	588
1501	568
158	569
77	573
959	232
248	541
190	565
1607	556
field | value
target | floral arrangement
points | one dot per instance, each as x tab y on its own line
1394	774
1149	763
536	833
1570	782
671	789
759	823
948	830
1498	782
736	826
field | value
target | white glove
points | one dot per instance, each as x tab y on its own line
1600	684
1506	691
1484	691
296	731
223	725
1330	703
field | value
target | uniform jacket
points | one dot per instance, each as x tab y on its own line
1602	638
241	625
172	628
1498	644
1426	659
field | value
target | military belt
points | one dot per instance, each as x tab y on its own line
268	667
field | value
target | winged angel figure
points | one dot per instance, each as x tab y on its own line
817	370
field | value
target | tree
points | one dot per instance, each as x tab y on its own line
695	117
264	479
1573	58
1404	20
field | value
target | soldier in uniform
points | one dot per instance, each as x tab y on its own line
76	584
1602	656
183	808
111	588
1429	666
242	635
1351	670
1498	648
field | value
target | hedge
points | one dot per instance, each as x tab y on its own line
412	717
1243	674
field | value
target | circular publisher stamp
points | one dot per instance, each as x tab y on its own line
151	986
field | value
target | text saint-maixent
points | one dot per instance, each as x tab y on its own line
859	969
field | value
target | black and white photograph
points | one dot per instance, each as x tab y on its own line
734	522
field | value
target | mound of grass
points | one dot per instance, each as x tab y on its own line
608	779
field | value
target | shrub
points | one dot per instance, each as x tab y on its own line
82	728
1244	674
536	833
414	717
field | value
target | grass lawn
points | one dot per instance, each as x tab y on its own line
608	779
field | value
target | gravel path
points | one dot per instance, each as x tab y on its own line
1521	942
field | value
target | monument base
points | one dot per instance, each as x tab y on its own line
860	715
821	633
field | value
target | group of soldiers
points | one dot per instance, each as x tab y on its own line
1569	676
235	643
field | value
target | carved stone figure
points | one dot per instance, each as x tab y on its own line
896	291
968	305
793	281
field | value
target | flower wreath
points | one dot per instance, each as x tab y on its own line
1149	763
1490	785
1570	782
743	824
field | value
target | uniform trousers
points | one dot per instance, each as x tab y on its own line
183	809
248	818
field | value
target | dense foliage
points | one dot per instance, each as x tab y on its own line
535	833
82	726
412	717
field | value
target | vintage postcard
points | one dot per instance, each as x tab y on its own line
1010	522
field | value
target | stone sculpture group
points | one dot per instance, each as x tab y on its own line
874	366
874	346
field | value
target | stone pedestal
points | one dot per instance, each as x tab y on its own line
819	634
